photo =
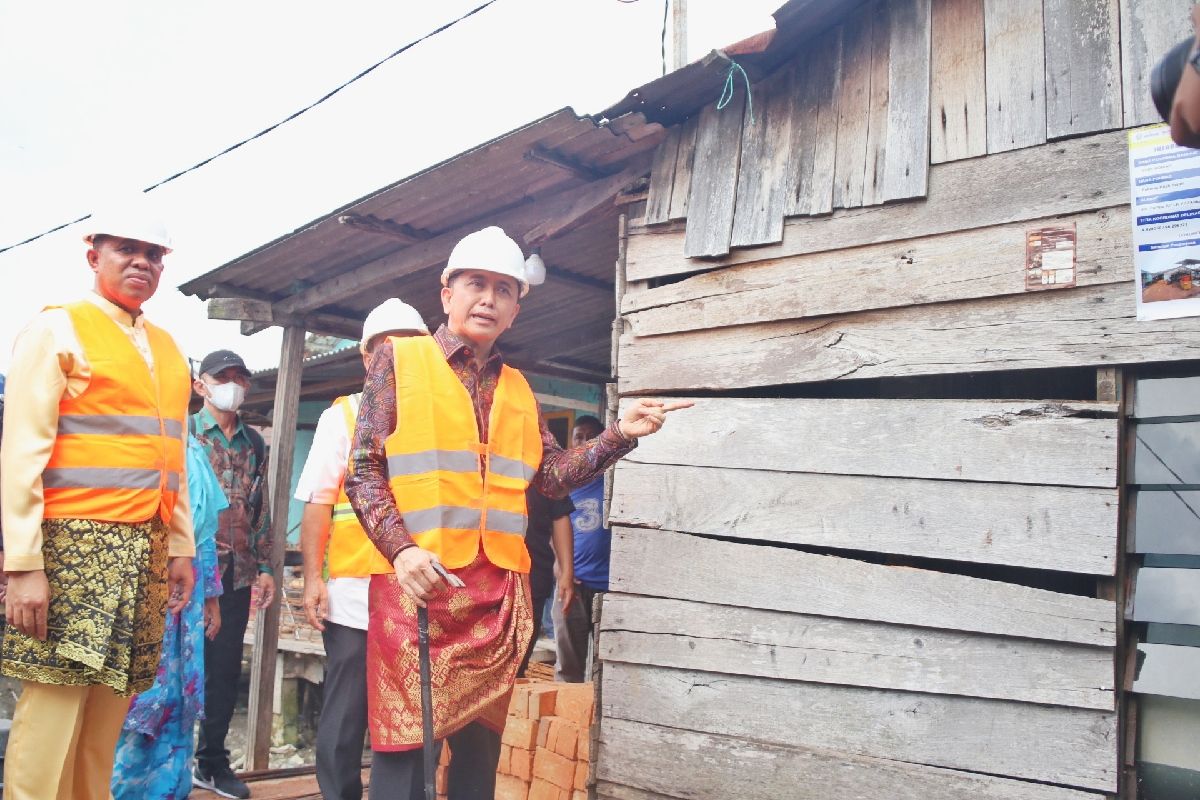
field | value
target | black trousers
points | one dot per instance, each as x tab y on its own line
222	670
474	754
343	725
539	606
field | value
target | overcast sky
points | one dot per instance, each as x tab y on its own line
115	96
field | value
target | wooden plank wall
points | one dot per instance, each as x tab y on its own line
901	84
719	627
819	598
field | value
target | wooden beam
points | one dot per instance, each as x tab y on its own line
1071	746
266	626
256	315
754	576
594	198
370	223
1048	527
551	215
1084	327
1006	441
800	647
650	756
567	164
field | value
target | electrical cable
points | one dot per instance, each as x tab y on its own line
283	121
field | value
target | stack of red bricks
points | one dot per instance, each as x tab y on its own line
545	752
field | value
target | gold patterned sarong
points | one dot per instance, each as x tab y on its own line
108	605
477	637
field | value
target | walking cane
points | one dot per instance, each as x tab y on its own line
429	745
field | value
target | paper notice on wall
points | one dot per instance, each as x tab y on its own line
1050	258
1165	199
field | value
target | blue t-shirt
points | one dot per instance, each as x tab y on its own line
592	540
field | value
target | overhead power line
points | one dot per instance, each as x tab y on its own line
283	121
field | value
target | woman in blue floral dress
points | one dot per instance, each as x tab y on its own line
154	754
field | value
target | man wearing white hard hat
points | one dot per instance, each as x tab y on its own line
97	527
447	441
329	529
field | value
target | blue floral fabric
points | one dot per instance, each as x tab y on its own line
154	754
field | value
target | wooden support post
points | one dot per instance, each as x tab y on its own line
618	328
1113	386
266	626
678	34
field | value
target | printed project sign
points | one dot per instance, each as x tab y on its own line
1165	197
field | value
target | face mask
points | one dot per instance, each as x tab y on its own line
226	396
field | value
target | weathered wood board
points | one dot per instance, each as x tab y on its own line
854	99
879	16
1148	29
690	765
1016	73
662	178
1015	441
712	197
1066	177
1083	67
906	162
1041	527
814	127
684	162
762	178
958	107
677	565
914	272
799	647
1076	747
1091	326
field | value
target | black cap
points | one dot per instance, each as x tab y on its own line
218	360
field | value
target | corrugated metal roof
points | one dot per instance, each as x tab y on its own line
678	95
556	153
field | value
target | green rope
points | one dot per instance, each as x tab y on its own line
728	92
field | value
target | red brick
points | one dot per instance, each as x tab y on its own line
583	749
541	700
544	790
520	732
543	735
518	701
579	794
575	702
520	763
565	738
550	766
502	764
510	788
581	773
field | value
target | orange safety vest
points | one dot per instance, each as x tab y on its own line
119	452
453	490
351	553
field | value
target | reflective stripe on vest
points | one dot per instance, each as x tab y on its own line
351	553
456	493
119	451
459	518
116	425
433	461
106	478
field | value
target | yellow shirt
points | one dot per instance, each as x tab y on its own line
48	362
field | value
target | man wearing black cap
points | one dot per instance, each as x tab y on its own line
237	454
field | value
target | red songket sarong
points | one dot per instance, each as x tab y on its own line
477	638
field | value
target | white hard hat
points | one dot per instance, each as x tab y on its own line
390	315
492	250
131	217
